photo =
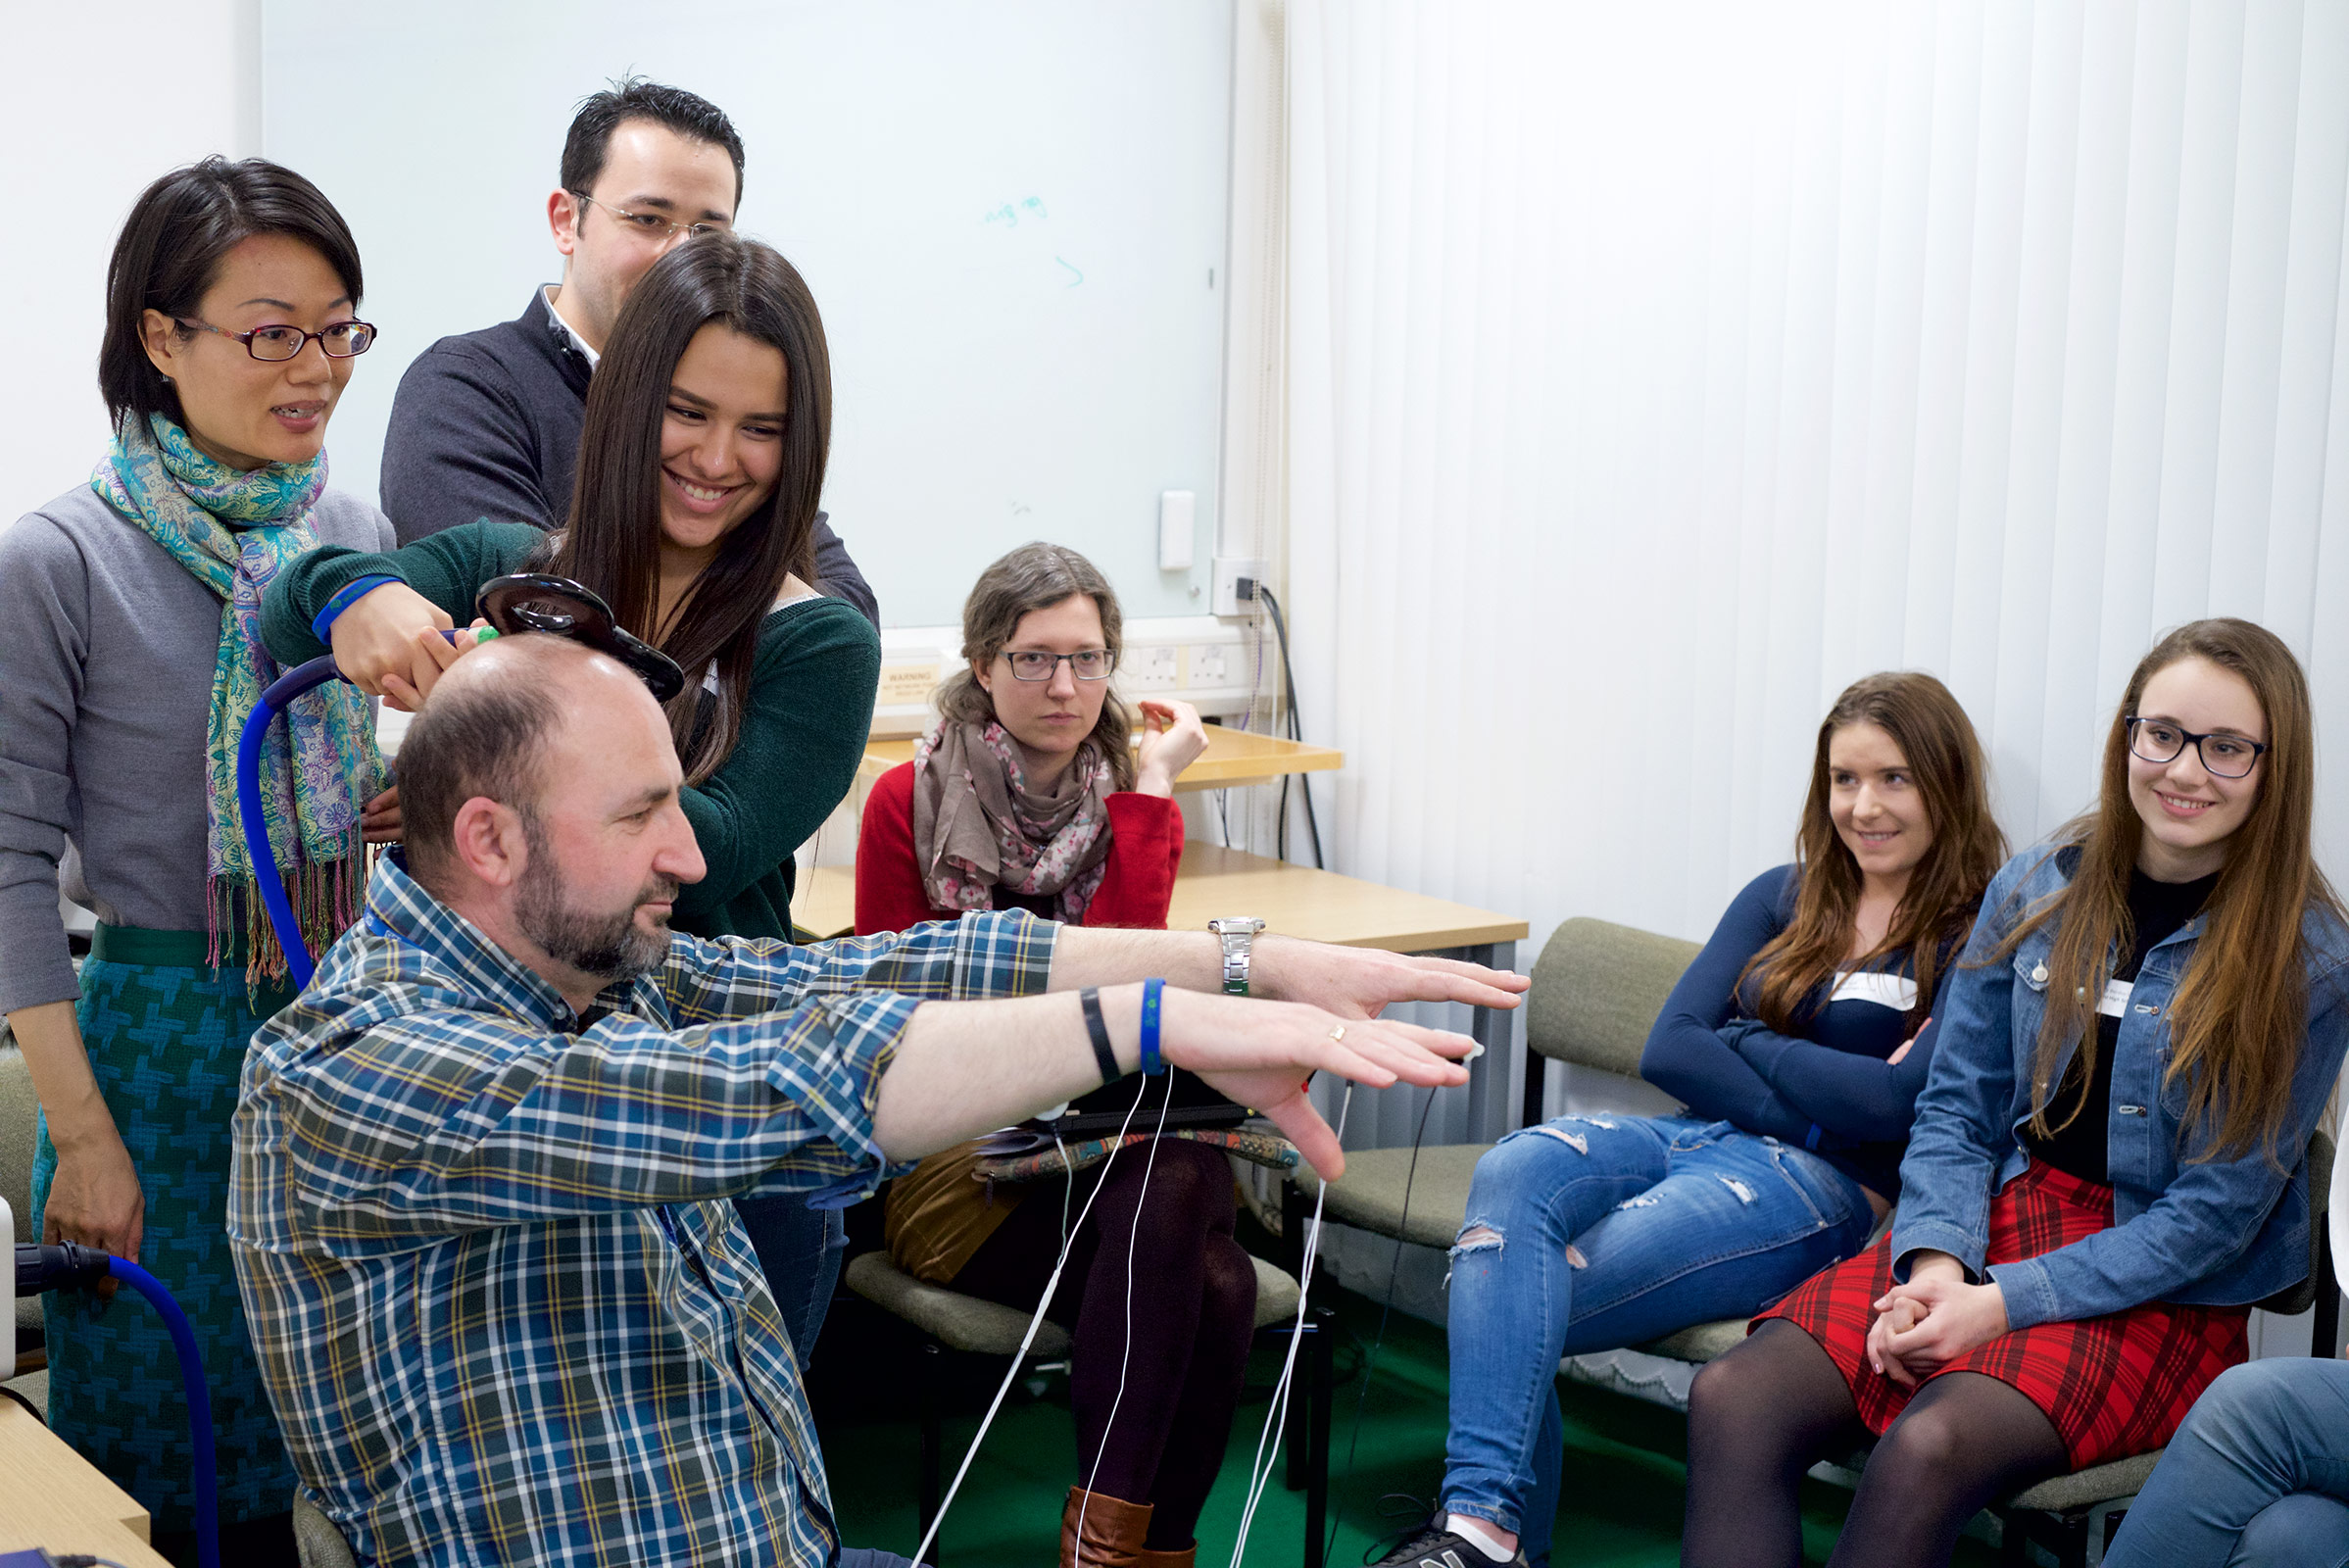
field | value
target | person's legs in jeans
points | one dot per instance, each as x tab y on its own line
2306	1529
799	1251
865	1557
1596	1232
2261	1433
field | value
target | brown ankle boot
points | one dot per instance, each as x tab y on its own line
1113	1531
1188	1557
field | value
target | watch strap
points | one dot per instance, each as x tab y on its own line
1098	1027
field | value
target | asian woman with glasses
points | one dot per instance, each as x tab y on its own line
692	516
131	661
2106	1169
1028	794
1799	1040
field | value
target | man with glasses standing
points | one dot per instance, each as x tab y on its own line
486	424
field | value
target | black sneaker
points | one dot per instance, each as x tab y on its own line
1430	1546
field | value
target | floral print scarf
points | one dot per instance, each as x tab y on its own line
977	826
235	531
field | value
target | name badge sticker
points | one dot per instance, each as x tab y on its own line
2116	997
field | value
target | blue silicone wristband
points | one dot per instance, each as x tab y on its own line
1151	1063
344	597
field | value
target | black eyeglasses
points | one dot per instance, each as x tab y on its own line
2222	756
1094	664
652	226
340	340
531	600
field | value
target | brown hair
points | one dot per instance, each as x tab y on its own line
1036	576
2240	1019
612	541
1937	742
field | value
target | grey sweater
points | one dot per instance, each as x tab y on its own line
106	647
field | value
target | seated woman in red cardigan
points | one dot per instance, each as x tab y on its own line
1028	794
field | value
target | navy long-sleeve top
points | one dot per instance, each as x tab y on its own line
1827	1088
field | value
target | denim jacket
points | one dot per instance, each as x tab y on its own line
2214	1233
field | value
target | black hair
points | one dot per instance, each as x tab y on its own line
475	738
629	98
170	252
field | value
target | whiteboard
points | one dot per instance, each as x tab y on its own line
1011	214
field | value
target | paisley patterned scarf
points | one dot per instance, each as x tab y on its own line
977	825
235	531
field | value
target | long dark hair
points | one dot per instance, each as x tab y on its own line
170	251
1944	755
1037	577
612	541
2240	1019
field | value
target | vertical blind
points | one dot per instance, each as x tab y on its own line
1655	370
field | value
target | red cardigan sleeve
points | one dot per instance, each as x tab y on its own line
888	890
1146	850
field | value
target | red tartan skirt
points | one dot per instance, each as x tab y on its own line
2114	1386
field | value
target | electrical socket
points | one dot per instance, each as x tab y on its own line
1155	668
1229	569
1205	666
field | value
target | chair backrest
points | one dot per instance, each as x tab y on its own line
1597	988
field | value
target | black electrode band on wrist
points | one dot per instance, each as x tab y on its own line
1098	1028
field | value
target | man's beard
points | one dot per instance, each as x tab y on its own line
607	945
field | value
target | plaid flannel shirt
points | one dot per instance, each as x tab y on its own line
503	1308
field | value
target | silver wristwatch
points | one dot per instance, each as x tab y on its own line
1237	933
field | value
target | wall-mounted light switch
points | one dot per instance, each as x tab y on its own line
1177	510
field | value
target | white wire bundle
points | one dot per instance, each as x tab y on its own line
1276	1418
921	1553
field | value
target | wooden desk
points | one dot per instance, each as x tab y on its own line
1232	758
1299	902
51	1496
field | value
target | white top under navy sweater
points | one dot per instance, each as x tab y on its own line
1827	1086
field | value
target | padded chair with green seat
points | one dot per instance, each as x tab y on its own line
1598	990
949	1320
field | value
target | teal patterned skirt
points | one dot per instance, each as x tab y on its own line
167	1041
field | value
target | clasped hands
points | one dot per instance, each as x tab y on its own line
1933	1319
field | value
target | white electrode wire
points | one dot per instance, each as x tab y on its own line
1276	1418
1126	1352
921	1553
1068	1188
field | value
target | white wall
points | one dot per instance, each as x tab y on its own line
86	142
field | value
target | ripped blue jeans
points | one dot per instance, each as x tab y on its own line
1591	1232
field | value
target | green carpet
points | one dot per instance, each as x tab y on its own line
1625	1458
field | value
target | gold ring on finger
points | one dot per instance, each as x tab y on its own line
1338	1033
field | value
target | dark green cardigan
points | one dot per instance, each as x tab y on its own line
803	733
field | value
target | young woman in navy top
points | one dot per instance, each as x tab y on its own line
2105	1171
1798	1041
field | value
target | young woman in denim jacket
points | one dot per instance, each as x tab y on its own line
2104	1170
1796	1040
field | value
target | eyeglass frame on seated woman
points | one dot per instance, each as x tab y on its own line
2190	738
1109	656
301	340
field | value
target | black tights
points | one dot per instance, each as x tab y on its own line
1194	1312
1766	1413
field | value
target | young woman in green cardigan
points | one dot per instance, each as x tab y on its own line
692	516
